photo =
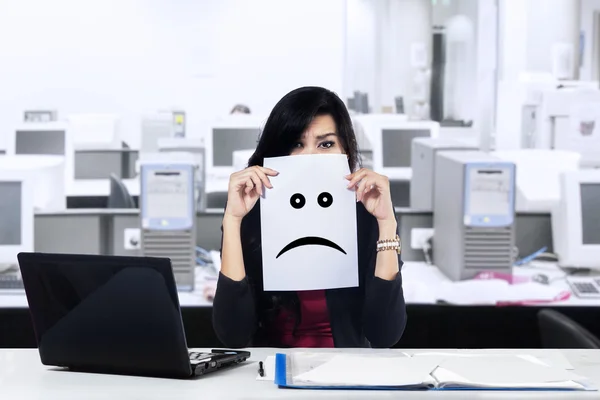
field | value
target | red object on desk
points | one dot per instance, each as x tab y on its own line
314	329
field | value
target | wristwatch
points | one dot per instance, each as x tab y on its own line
390	244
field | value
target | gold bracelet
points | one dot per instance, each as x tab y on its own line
390	244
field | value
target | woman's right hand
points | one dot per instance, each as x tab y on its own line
245	187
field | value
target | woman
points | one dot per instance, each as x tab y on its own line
308	120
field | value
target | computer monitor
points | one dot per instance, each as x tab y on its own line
237	132
47	139
576	220
391	136
95	131
16	215
48	176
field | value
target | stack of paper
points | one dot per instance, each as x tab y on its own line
422	372
495	291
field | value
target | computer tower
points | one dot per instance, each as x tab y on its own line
423	167
474	214
168	217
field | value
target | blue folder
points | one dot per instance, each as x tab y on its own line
281	380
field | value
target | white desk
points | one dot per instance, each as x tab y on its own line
421	282
23	377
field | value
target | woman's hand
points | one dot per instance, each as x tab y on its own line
245	187
373	190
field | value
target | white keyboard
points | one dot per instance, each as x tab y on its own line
585	287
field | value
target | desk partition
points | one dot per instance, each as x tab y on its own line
99	164
72	231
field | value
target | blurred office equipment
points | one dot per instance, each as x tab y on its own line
438	61
119	196
423	157
565	119
538	173
558	331
399	103
100	163
359	103
518	107
47	174
236	132
168	216
474	214
52	138
40	116
576	230
390	136
154	127
94	131
16	224
179	122
195	147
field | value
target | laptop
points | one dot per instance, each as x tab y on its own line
111	314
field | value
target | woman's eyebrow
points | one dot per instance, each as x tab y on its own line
325	135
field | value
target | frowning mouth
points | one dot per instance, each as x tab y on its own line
310	240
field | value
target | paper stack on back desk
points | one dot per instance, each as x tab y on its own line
498	291
374	371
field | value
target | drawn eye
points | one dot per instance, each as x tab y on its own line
325	199
297	201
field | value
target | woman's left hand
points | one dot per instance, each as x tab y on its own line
373	190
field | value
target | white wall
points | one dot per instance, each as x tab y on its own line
360	65
131	56
379	35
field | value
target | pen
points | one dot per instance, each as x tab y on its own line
261	370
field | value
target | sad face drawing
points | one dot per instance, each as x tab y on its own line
308	223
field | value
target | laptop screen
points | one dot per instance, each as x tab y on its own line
106	313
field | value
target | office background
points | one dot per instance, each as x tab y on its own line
130	57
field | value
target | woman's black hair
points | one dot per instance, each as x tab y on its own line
292	115
289	119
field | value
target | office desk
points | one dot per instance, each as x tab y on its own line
24	377
422	282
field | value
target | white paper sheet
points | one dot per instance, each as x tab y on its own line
508	372
550	357
309	202
357	370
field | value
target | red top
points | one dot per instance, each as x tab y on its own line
314	329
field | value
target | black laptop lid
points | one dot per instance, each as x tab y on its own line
106	313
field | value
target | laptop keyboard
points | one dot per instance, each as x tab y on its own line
11	282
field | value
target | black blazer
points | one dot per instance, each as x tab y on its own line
371	315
